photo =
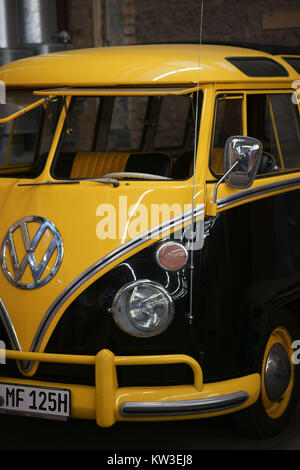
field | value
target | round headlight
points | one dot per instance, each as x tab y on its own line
143	308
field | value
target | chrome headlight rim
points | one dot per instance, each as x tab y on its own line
142	332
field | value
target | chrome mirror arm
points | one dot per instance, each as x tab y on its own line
224	177
211	208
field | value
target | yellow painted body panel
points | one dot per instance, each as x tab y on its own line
134	65
73	210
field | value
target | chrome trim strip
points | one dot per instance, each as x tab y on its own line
183	407
7	323
181	219
257	191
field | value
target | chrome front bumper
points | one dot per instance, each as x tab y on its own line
182	407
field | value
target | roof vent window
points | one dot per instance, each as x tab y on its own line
258	66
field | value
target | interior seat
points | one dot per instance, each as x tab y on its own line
97	164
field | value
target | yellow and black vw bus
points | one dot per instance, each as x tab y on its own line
150	235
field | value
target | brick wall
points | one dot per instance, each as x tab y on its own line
120	22
147	21
101	22
234	20
80	23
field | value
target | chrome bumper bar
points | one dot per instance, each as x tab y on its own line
183	407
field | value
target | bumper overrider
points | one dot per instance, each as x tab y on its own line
107	403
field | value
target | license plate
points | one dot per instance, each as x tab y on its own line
34	401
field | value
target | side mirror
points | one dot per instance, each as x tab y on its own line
242	156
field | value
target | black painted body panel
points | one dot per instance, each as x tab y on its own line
250	267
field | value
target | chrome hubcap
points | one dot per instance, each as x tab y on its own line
277	372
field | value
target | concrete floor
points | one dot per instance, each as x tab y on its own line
207	434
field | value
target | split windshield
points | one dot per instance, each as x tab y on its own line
128	137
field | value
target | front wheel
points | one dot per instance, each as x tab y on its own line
279	382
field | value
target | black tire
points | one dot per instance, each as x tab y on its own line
266	418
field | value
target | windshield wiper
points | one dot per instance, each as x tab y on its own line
112	181
44	183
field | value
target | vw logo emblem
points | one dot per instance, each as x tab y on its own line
14	266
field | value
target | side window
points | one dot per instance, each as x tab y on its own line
25	141
260	122
19	139
274	120
228	122
288	127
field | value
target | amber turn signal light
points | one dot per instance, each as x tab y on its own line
171	256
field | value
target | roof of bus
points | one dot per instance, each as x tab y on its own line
137	65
